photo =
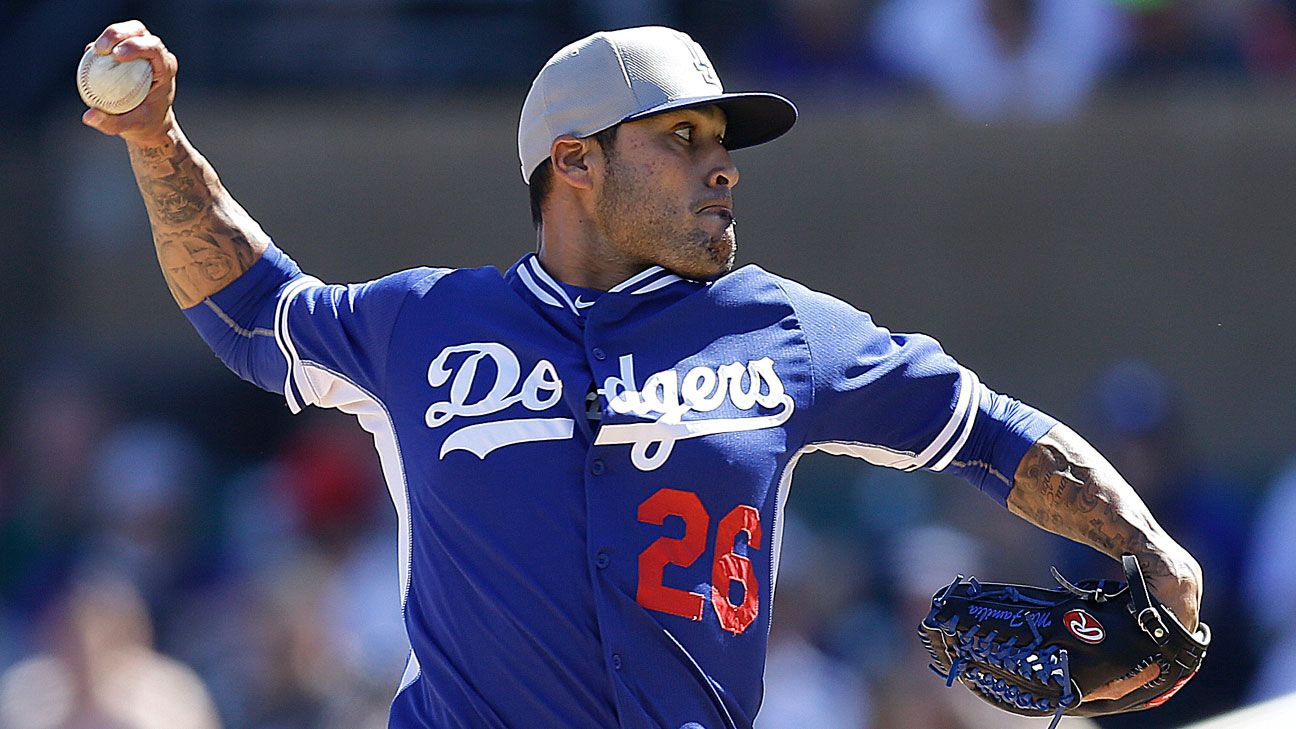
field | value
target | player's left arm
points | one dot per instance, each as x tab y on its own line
1064	485
898	400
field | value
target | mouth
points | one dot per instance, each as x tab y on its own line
719	209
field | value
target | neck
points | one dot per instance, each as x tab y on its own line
576	253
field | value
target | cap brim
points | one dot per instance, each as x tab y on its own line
751	118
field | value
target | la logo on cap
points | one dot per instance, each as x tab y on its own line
701	62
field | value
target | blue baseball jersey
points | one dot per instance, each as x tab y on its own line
590	485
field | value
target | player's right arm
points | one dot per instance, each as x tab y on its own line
286	332
203	238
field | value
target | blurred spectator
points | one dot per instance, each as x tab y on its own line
994	59
360	605
100	670
330	473
805	686
1270	589
1184	38
306	642
315	638
1269	39
57	419
144	487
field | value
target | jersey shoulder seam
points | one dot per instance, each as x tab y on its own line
805	336
439	274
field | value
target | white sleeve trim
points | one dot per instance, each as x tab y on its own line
965	409
967	383
973	386
295	375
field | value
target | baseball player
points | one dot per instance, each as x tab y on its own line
589	453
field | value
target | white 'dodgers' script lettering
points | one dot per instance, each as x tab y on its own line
667	398
540	391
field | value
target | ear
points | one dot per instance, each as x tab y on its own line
572	158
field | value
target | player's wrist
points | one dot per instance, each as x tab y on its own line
1175	578
1164	555
166	132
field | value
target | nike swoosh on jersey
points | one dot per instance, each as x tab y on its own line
583	304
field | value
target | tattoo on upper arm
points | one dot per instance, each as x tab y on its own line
196	262
201	235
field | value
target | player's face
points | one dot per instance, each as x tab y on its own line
666	193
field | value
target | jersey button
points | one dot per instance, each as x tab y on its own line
599	354
616	661
602	560
597	468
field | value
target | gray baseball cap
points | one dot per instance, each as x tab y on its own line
620	75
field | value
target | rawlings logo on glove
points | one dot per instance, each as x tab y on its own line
1039	651
1085	627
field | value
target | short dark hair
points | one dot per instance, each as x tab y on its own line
542	175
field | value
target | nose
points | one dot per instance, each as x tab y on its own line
725	173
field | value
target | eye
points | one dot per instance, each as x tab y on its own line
685	133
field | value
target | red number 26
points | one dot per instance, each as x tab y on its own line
727	568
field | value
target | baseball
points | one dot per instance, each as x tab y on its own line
111	86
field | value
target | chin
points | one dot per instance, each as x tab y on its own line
725	264
723	251
715	259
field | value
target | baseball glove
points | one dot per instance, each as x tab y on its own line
1037	651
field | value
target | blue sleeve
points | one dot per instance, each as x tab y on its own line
292	334
898	400
1003	431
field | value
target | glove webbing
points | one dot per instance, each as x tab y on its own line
1049	665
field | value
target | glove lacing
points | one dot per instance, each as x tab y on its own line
1046	666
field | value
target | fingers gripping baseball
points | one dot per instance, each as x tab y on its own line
118	32
130	41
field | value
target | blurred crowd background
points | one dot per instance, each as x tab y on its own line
1086	200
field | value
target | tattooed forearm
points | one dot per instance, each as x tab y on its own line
204	239
1065	486
175	199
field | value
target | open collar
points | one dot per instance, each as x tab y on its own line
535	280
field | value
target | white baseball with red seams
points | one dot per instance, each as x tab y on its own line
114	87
